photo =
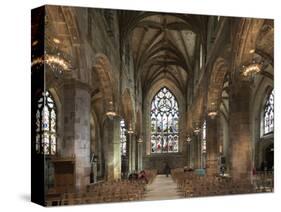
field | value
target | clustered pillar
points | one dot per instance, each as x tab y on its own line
197	151
140	155
111	140
77	131
212	147
240	141
132	152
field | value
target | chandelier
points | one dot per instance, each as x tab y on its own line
252	68
53	57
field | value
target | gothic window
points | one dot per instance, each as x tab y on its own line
123	138
164	122
46	125
268	115
204	137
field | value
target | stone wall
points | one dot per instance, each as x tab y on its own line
159	161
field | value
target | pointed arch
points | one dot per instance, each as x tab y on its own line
268	114
128	108
164	122
106	79
216	83
46	125
148	97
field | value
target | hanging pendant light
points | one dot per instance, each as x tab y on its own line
110	113
130	130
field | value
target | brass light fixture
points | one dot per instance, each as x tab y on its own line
196	126
130	130
188	139
212	112
140	140
110	113
252	68
56	60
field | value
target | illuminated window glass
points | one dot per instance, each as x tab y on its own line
164	122
123	139
268	116
45	140
203	146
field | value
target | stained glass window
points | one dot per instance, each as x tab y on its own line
164	122
268	116
123	139
45	141
203	146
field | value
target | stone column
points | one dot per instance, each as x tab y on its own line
212	149
192	153
111	139
189	154
239	132
129	143
82	137
77	131
132	152
197	151
140	155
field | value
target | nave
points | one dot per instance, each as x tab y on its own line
116	94
178	184
162	188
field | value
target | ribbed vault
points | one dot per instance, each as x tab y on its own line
164	46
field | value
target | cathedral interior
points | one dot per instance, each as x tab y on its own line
131	105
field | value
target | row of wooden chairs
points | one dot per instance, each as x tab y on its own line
150	175
264	181
106	191
192	185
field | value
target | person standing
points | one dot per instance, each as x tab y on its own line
167	170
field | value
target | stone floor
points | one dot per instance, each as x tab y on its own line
162	188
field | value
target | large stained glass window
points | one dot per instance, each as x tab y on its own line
268	116
164	122
123	139
46	125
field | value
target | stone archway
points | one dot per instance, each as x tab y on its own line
215	85
128	108
110	125
64	37
103	69
214	96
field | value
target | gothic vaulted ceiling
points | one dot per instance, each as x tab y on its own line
164	45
